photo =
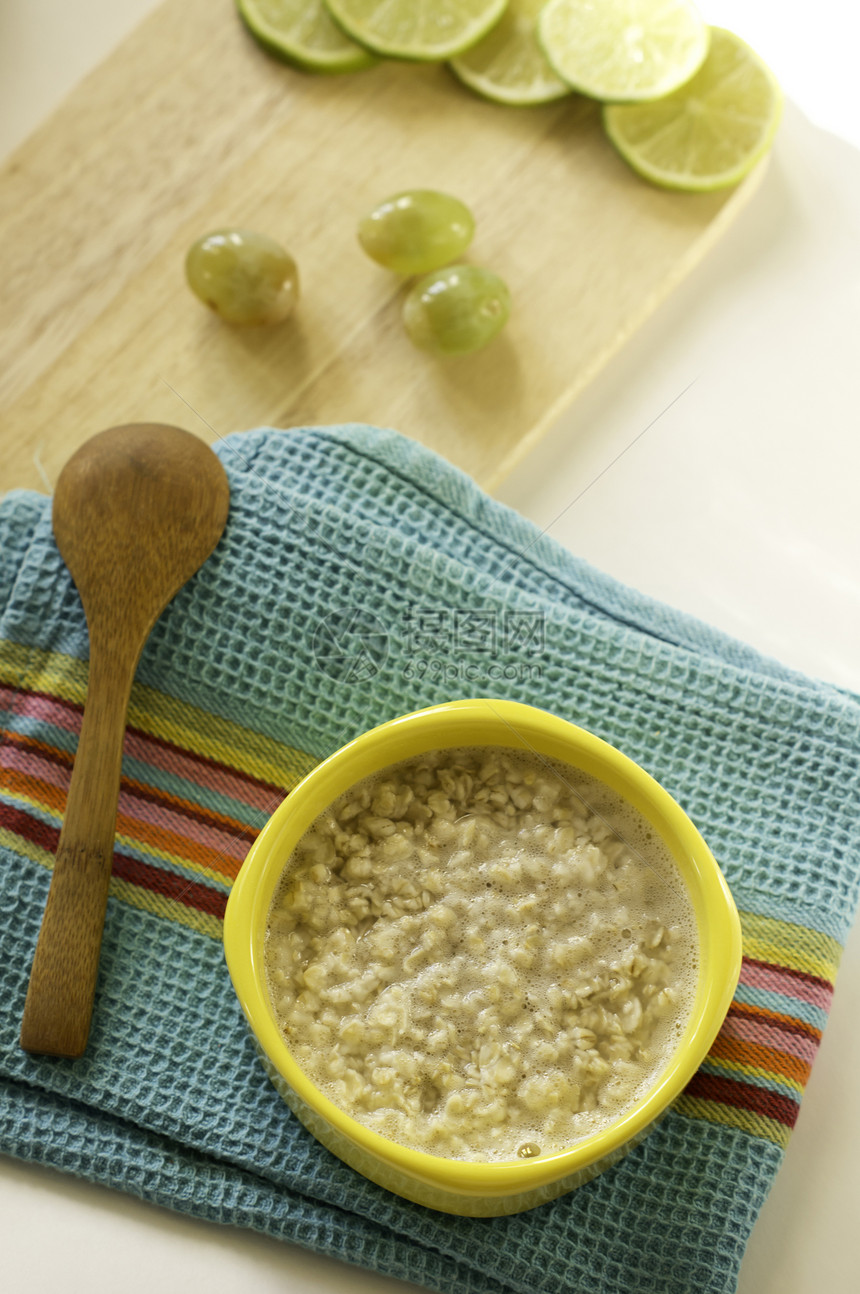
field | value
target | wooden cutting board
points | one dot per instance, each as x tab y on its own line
188	127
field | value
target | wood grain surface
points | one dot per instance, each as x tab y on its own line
189	127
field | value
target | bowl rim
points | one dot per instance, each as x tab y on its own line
516	725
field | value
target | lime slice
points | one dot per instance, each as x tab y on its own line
508	65
712	131
416	29
302	32
625	50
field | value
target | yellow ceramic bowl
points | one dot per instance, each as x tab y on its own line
455	1186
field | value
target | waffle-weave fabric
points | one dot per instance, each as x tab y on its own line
361	577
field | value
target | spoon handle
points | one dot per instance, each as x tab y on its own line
59	1001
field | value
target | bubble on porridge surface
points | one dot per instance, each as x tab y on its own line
528	1150
530	971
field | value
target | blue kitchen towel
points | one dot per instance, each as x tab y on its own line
360	576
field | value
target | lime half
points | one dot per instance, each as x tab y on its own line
623	50
508	65
426	30
712	131
302	32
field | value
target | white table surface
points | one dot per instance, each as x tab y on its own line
738	503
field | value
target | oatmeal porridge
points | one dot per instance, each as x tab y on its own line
480	953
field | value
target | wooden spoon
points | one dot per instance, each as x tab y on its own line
137	510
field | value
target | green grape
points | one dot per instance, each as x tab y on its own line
417	231
245	277
456	310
